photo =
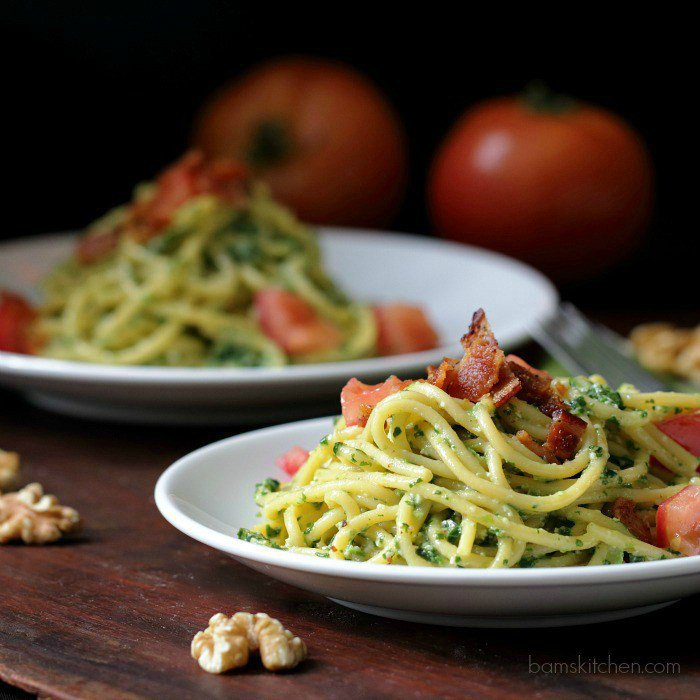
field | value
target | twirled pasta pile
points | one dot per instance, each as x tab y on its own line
433	480
183	298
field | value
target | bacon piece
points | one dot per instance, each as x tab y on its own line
566	431
443	375
485	369
564	435
563	438
188	177
478	370
526	439
507	387
95	246
536	386
481	371
624	510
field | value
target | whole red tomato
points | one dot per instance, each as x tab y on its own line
563	185
321	135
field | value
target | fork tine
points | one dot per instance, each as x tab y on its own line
550	341
617	367
585	348
569	337
602	356
608	347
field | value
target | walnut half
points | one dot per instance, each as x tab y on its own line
227	642
34	517
665	348
9	468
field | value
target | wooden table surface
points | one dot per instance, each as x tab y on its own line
112	613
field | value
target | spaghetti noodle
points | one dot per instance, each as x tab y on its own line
170	280
435	480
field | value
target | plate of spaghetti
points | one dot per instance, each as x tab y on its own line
203	299
487	493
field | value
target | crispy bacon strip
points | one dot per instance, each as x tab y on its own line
566	431
485	369
526	439
443	375
624	510
564	435
481	371
188	177
563	438
507	387
96	245
536	386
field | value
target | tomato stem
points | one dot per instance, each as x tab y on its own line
538	97
270	143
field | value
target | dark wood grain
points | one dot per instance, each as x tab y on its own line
112	612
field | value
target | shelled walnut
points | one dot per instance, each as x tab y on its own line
228	641
663	347
34	517
9	468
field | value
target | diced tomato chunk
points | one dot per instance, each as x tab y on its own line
188	177
16	317
174	187
95	246
288	320
685	430
357	399
292	460
678	521
403	328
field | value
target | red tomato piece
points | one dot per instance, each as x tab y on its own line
95	246
685	430
357	399
678	521
292	460
174	187
288	320
188	177
16	317
403	328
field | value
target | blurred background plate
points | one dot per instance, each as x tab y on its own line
449	280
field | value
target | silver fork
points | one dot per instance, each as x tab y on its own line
587	348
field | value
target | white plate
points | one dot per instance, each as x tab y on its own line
208	495
447	279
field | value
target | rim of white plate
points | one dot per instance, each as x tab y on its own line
47	368
166	502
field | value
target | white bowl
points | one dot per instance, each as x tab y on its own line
450	281
208	495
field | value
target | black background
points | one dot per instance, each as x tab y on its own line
100	95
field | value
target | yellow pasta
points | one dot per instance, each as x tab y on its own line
432	480
184	298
